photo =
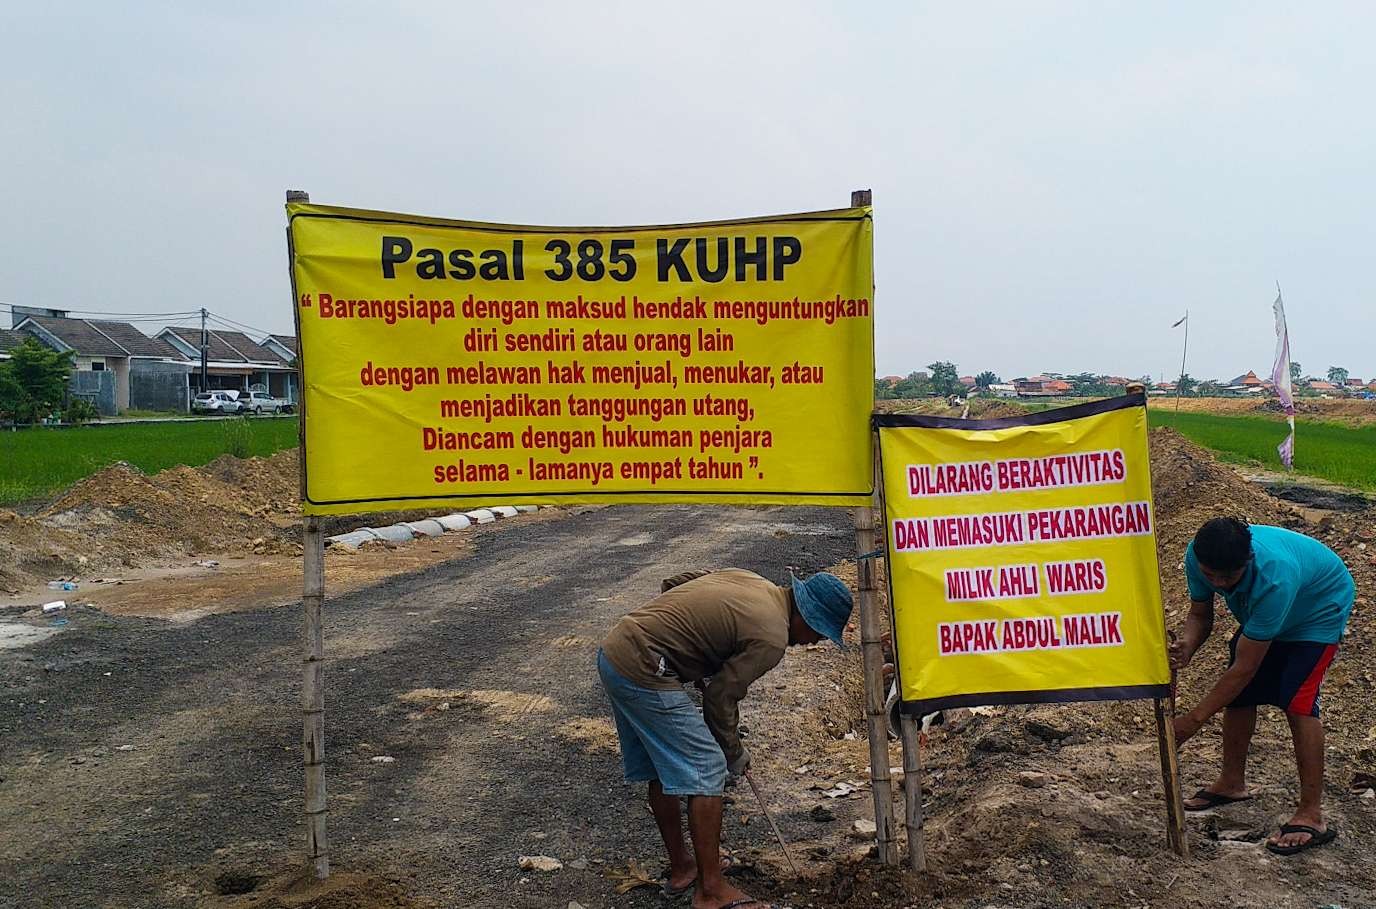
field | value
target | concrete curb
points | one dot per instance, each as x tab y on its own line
428	527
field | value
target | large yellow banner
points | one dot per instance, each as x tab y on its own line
1022	557
460	363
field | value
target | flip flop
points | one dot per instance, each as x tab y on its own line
729	865
1316	838
674	893
1213	800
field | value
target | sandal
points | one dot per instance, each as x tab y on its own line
1213	800
1316	838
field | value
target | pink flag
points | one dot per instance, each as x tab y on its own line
1280	377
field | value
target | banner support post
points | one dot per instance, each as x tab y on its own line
312	638
1176	837
872	656
1164	709
909	730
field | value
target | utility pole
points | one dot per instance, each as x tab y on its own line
205	352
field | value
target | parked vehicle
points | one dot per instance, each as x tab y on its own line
260	402
219	402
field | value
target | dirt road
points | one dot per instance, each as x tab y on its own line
142	759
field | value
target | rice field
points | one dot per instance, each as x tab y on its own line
35	463
1330	451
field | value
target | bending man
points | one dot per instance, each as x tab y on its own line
1291	596
728	626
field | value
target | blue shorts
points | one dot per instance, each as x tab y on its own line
663	736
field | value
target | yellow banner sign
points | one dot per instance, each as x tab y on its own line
1022	557
457	363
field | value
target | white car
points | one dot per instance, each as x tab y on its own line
260	402
221	402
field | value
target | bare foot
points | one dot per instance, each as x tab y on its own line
1217	788
1301	819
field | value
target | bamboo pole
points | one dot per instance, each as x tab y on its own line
908	729
913	814
872	656
313	698
312	635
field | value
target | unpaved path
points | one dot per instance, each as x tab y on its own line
140	757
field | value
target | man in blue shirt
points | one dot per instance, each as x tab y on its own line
1291	596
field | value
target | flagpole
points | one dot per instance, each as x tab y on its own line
1180	383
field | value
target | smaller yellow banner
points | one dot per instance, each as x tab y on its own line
1022	557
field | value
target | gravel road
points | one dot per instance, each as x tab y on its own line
142	758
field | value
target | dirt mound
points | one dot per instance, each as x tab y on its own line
181	510
1189	487
120	517
29	549
300	890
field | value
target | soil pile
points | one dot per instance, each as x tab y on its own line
120	517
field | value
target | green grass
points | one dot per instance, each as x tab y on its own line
35	463
1330	451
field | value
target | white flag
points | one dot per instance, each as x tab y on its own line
1280	378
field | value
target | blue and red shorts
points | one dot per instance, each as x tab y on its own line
1289	676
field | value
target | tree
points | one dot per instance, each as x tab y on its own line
916	385
883	390
1296	371
1186	384
33	382
1337	375
985	379
1208	389
945	378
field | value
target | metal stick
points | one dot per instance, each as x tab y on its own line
772	826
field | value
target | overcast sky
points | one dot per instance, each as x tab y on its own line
1055	183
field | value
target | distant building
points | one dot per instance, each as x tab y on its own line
1041	387
968	381
891	381
10	339
1003	390
234	361
118	367
1322	387
282	345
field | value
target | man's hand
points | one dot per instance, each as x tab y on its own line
741	764
1185	728
1179	657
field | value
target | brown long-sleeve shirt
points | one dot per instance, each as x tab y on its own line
731	625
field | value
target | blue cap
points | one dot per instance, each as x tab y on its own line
824	602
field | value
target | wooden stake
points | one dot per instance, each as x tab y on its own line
872	656
313	635
1176	836
912	790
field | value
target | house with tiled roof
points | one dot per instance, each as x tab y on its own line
282	345
234	361
117	367
9	340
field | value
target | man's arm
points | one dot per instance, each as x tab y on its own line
721	699
1226	689
1199	624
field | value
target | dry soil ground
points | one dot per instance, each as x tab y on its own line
149	750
